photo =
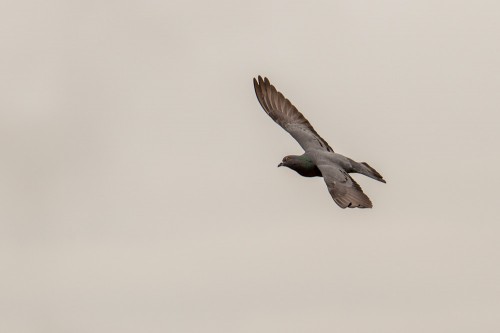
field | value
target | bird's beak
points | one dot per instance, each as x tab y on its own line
280	165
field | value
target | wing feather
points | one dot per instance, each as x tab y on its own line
282	111
344	190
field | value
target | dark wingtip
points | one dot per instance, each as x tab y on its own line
255	84
257	81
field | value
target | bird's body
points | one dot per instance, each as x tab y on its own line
319	159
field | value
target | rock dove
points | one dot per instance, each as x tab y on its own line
319	159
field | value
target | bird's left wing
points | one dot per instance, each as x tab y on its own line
343	189
287	116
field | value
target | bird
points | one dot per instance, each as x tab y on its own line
318	159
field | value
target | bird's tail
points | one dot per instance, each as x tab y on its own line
367	170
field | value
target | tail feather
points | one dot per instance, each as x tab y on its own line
373	173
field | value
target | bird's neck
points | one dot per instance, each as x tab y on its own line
305	167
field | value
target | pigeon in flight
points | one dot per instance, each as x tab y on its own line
319	159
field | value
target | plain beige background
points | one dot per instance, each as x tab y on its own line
139	189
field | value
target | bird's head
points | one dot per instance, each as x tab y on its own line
289	161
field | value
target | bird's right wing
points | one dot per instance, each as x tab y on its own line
343	189
287	116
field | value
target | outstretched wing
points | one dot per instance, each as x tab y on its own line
343	189
287	116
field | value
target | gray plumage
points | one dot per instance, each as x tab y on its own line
319	159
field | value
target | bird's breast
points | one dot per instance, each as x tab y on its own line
309	171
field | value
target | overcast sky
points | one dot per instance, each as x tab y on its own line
139	189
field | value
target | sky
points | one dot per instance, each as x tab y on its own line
140	191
